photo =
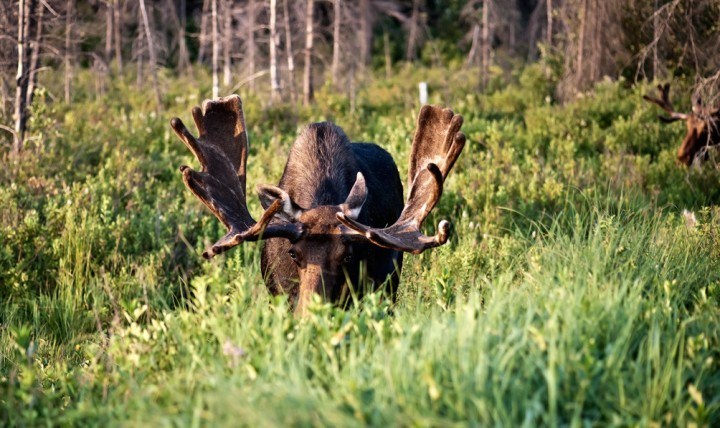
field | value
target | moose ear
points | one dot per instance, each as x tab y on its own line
355	200
290	210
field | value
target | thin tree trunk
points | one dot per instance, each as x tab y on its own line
412	33
581	43
215	51
151	52
203	31
388	57
364	32
473	46
69	51
309	36
251	41
549	29
118	35
337	16
656	38
35	56
274	82
289	52
140	53
23	76
108	31
227	42
179	20
485	69
596	51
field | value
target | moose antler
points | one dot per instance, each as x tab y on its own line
664	103
436	146
222	149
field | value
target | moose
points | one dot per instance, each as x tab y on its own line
337	216
702	125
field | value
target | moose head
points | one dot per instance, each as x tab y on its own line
702	124
337	216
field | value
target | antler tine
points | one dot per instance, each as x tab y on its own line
436	146
221	150
665	104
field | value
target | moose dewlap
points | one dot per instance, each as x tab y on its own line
337	218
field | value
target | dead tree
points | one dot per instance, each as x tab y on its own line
151	52
108	31
215	50
365	33
309	36
549	28
413	32
35	53
117	10
486	40
22	78
274	81
337	17
289	52
69	48
252	16
204	17
227	41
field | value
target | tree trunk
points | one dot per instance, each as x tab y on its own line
274	82
108	31
178	20
227	42
251	41
215	51
69	51
203	31
23	73
581	44
473	46
289	52
139	78
596	50
151	52
656	39
485	69
35	56
309	36
337	16
413	32
388	57
365	32
549	29
118	35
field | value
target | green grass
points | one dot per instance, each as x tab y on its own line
574	290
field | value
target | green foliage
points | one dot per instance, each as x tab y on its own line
575	289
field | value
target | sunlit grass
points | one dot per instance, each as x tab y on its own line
574	289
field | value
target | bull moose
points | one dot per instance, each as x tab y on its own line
337	216
702	125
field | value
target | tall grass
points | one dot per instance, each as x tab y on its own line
574	290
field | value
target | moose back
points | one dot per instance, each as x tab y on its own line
337	218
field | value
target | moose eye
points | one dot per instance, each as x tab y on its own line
347	259
293	255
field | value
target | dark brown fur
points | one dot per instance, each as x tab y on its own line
320	171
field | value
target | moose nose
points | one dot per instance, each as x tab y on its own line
312	281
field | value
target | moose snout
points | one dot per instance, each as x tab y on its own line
316	280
